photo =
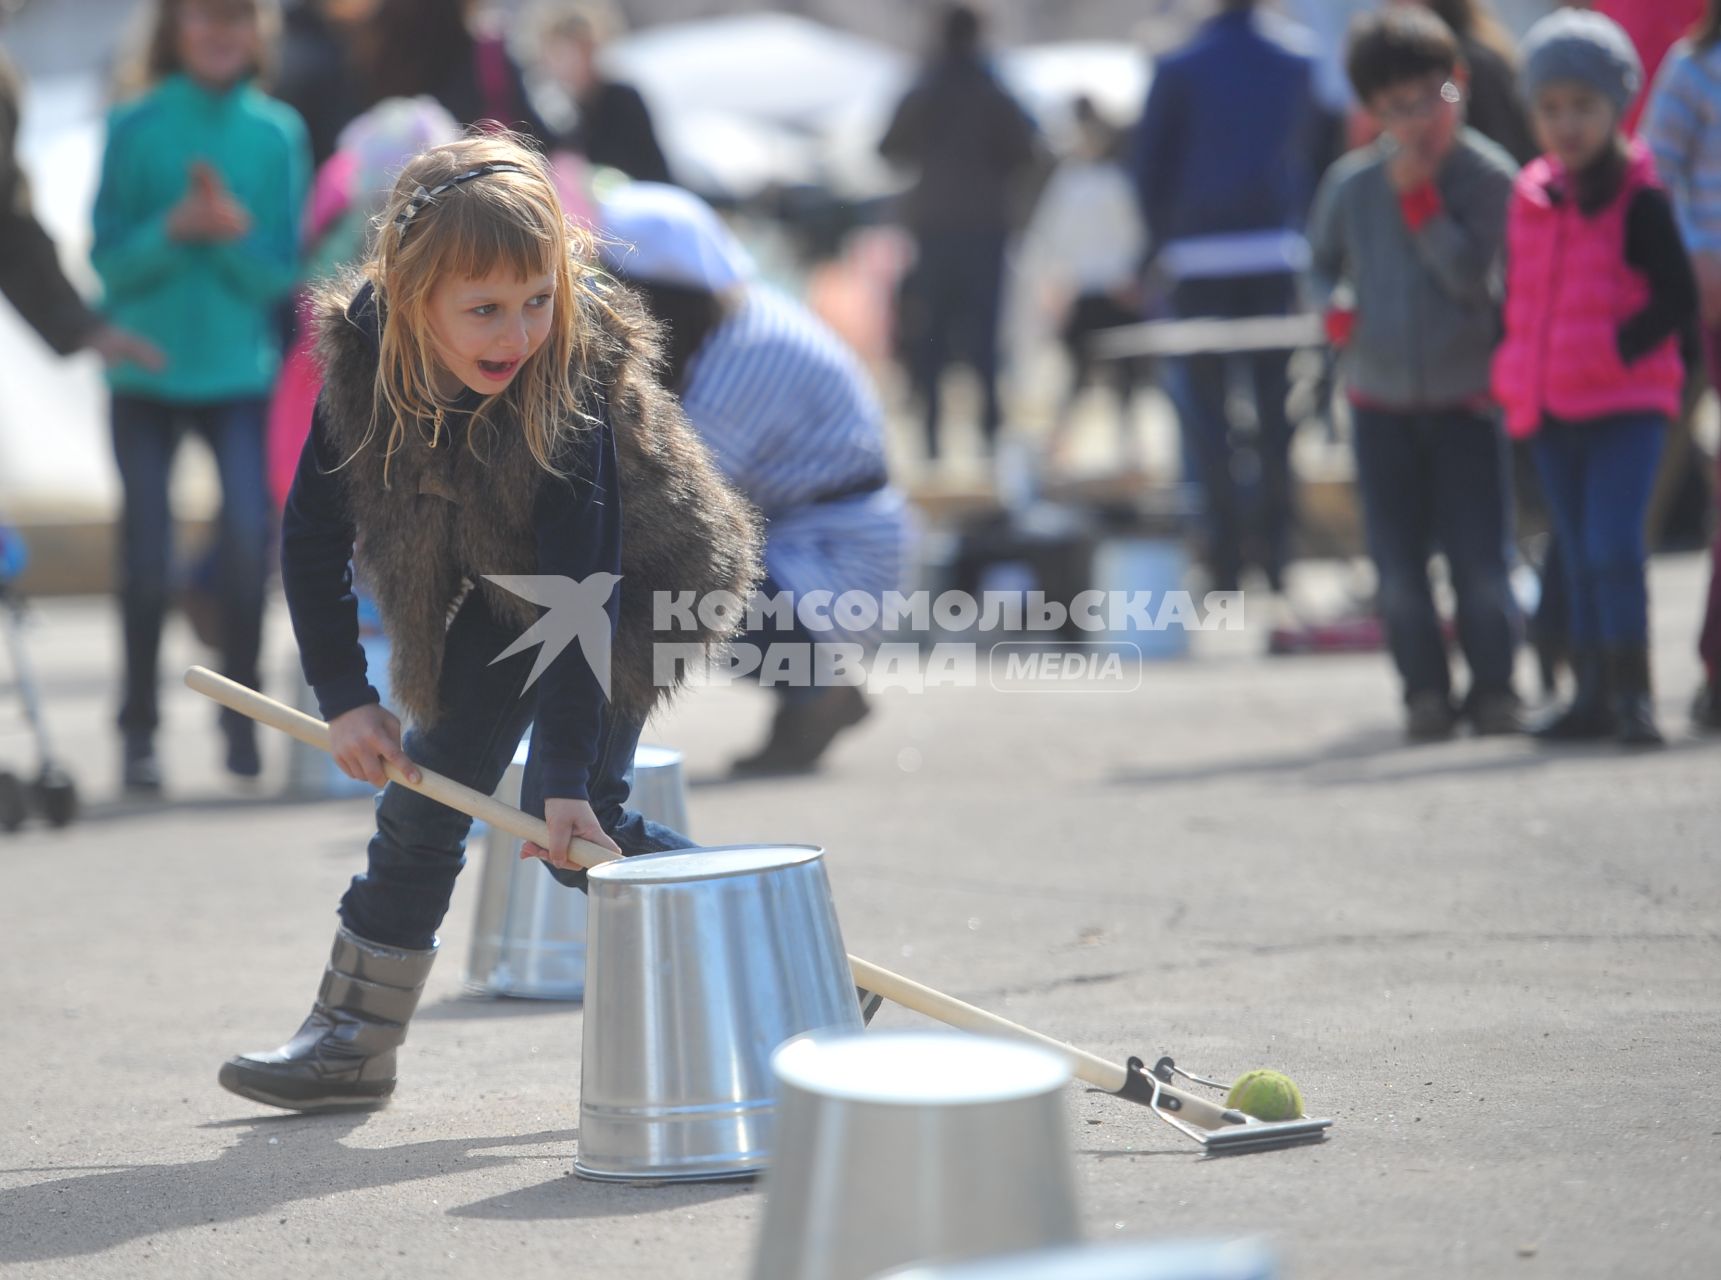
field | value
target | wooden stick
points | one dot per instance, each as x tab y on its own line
947	1009
314	733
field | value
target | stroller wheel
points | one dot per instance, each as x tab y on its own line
12	806
56	797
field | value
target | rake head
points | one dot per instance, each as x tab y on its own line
1232	1132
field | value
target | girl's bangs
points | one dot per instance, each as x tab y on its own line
481	243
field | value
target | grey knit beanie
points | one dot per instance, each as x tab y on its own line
1581	45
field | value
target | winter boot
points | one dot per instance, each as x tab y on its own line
801	732
141	767
1633	712
343	1056
1590	712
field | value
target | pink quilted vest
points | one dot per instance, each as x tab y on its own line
1568	289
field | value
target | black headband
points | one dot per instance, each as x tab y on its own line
421	197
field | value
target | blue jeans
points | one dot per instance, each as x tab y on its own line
1440	480
146	435
1201	387
419	846
1598	477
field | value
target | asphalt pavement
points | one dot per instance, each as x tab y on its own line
1494	965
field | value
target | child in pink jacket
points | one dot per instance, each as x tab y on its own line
1598	291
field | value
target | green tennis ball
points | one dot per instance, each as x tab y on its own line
1266	1095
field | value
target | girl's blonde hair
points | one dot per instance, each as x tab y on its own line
509	219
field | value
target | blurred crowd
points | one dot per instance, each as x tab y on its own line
1514	251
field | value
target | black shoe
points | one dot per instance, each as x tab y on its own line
1633	709
1589	715
344	1054
1706	708
141	769
242	758
802	732
1429	717
774	756
1495	713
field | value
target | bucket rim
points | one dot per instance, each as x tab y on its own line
726	862
917	1067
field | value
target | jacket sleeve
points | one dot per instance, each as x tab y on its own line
316	575
1653	247
132	250
30	274
1460	242
1016	137
903	140
1154	156
1673	126
1326	237
263	266
577	517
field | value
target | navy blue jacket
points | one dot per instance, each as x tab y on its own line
1227	141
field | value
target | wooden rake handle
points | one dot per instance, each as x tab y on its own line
1095	1070
313	732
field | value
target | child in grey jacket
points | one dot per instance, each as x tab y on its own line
1407	237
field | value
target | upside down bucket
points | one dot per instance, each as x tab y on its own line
529	930
700	963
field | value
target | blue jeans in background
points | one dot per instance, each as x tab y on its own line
1598	477
419	846
146	435
1440	480
1249	504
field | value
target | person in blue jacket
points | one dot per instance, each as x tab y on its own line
1226	157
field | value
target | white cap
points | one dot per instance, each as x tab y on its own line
659	234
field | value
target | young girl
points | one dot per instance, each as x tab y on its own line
490	408
1598	289
1683	128
196	231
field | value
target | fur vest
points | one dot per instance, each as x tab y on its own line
449	515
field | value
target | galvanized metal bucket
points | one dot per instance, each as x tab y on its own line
906	1145
529	931
700	963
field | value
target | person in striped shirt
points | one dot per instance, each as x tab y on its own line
1683	128
793	423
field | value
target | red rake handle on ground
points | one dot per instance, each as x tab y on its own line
1096	1070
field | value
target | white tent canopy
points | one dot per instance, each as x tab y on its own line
755	100
771	67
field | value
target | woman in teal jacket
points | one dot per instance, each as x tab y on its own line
196	232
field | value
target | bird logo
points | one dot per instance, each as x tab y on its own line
576	612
